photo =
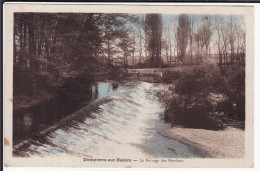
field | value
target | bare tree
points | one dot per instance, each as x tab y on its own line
207	33
175	49
140	36
240	39
231	37
191	35
182	35
219	40
133	44
166	43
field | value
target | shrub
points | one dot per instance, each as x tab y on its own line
44	81
23	81
234	87
157	78
227	107
199	79
234	76
27	82
240	106
113	73
192	108
74	89
193	112
170	76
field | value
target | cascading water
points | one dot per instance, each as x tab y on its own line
125	123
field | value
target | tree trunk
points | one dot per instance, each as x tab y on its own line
32	47
170	50
21	49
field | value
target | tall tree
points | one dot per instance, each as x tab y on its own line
191	36
182	35
153	29
207	33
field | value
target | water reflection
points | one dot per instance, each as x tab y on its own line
28	121
103	89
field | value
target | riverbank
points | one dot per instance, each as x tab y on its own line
227	143
223	143
23	102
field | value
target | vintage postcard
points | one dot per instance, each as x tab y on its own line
128	85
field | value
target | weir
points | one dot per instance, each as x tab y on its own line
125	124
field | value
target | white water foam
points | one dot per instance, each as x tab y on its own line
126	126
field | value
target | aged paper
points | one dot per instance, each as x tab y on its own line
137	144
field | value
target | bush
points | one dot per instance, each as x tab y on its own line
200	79
74	89
240	106
113	72
234	87
27	82
234	76
193	108
234	107
193	112
44	81
170	76
23	81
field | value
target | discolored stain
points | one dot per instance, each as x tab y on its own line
11	99
6	142
128	166
6	165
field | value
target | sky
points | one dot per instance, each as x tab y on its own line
171	20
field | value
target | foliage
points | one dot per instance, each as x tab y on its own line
153	31
73	89
27	82
52	48
192	106
22	81
194	112
234	88
203	78
170	76
114	73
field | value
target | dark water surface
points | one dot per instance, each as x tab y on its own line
27	122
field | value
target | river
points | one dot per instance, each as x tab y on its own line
114	123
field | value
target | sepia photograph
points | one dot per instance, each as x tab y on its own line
106	86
